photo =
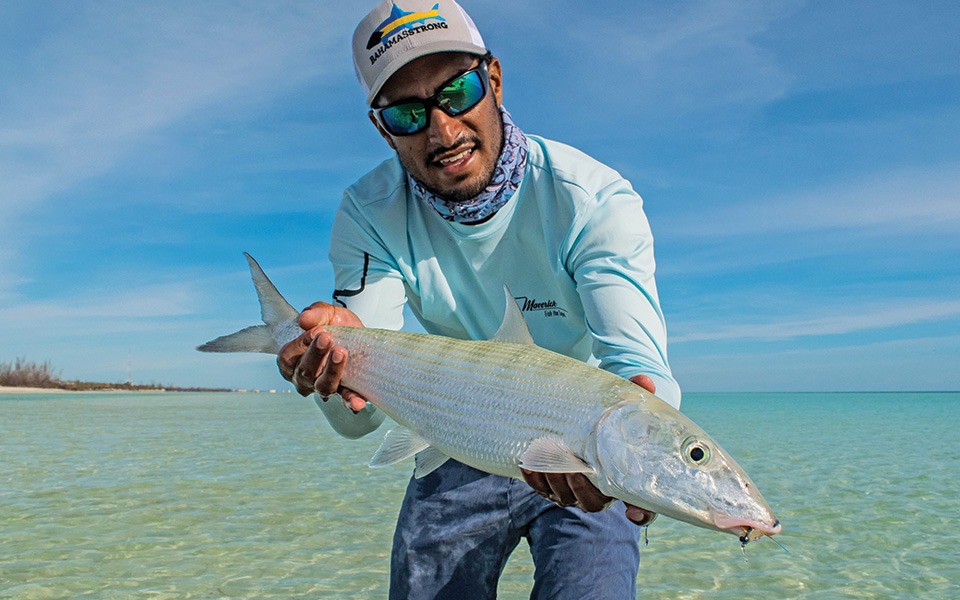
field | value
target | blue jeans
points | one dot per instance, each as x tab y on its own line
458	526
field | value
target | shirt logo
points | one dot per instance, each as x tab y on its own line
548	307
402	25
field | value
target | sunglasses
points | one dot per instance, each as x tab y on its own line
456	96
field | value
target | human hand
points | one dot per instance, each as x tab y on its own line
312	363
574	489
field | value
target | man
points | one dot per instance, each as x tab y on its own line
468	204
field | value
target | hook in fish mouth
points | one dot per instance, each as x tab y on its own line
748	530
751	533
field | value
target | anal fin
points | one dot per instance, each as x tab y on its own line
428	461
399	444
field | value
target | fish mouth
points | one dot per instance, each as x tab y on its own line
745	529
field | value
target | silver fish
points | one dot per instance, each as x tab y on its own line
506	403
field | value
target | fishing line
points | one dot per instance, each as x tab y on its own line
779	544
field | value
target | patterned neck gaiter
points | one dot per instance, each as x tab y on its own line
506	179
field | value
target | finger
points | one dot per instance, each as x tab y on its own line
308	368
328	382
318	313
645	382
640	516
352	400
589	498
321	313
537	481
561	489
290	354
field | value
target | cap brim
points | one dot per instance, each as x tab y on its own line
410	56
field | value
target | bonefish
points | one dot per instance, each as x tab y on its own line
505	403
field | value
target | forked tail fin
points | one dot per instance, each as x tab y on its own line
274	310
252	339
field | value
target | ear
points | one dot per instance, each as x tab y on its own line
495	75
383	132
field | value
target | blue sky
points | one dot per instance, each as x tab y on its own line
799	163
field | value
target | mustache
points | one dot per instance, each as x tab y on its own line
435	154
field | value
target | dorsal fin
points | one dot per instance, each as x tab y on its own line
514	327
273	307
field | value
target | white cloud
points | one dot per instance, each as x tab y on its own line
904	364
919	201
867	317
671	60
123	70
154	301
85	94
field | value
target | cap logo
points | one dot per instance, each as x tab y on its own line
403	24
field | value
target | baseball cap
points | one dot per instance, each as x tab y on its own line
398	31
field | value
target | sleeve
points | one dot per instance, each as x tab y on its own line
368	283
611	260
366	277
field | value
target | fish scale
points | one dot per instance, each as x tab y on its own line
477	402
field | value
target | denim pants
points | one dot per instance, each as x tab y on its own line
458	526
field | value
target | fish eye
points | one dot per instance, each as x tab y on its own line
696	452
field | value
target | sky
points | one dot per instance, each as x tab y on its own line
799	164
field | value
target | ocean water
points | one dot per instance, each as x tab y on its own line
252	496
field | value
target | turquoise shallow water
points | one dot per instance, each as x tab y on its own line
252	496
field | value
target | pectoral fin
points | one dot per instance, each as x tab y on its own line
399	444
553	455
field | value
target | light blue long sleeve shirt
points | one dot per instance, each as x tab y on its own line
573	245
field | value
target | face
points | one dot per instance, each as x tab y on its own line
454	157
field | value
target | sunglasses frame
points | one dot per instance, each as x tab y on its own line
432	101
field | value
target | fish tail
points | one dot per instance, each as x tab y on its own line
274	309
251	339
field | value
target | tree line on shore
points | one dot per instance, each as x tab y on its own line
22	373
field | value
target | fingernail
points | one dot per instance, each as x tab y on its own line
337	356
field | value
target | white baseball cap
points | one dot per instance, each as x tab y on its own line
398	31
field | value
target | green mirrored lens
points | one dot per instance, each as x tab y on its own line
462	94
456	97
405	118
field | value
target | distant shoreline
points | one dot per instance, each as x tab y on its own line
8	389
28	390
21	376
4	389
36	390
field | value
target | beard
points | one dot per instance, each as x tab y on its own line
469	190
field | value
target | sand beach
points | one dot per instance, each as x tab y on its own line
32	390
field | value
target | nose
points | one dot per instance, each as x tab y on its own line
444	130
